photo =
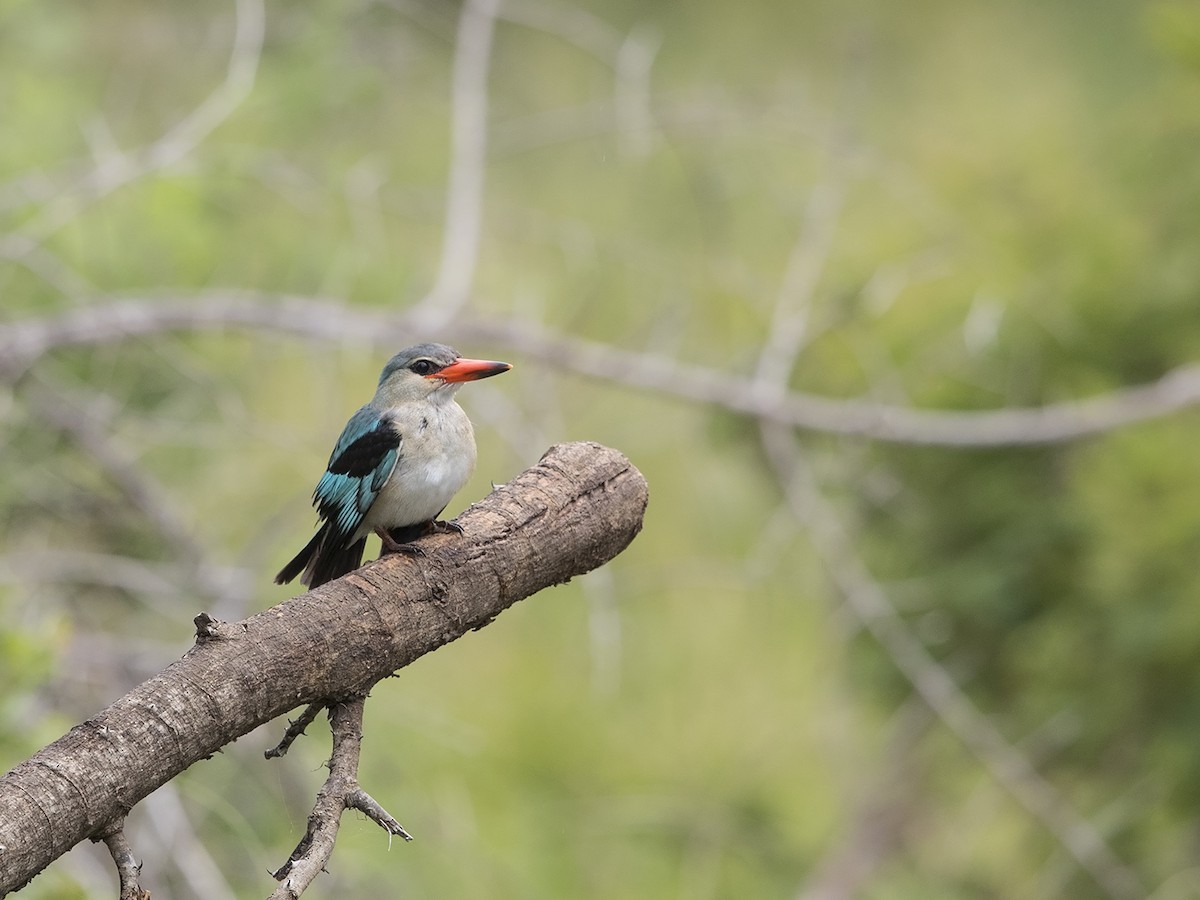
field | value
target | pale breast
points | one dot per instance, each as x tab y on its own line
437	456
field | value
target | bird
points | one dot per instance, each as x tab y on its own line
398	462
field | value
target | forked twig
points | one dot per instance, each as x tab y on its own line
340	792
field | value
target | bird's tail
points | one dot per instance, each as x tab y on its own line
320	563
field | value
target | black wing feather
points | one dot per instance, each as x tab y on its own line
363	455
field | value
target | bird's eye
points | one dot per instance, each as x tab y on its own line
423	367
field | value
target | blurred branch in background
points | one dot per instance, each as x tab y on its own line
110	320
77	419
862	593
884	812
932	682
115	168
630	56
462	230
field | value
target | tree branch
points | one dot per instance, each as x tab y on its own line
578	507
25	341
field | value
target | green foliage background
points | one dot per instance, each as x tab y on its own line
1020	185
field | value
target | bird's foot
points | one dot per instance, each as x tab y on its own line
391	545
439	527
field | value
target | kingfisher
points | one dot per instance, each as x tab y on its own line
398	462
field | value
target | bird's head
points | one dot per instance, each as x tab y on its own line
430	371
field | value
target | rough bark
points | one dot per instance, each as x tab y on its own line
578	507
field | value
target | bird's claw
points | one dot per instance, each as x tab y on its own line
391	545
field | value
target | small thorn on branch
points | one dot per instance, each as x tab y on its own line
128	868
295	729
340	792
364	802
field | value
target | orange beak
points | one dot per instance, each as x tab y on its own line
470	370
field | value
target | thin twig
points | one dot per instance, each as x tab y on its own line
128	868
340	792
295	728
364	802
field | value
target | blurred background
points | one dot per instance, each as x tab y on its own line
876	640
